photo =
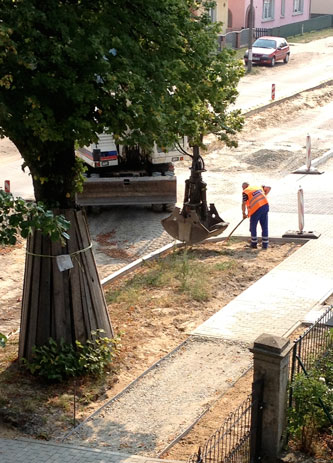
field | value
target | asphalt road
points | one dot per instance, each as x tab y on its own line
310	64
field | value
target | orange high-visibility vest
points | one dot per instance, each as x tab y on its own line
256	198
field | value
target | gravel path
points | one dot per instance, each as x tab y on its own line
144	420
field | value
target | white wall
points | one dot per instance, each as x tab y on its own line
322	6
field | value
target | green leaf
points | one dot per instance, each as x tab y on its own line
3	340
22	218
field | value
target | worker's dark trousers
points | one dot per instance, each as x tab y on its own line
261	215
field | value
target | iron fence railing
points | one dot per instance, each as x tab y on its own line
260	32
239	438
311	346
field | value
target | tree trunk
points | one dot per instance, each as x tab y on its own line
61	304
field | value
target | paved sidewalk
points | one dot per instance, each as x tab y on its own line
31	451
285	295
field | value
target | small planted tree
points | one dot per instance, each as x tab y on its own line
144	71
312	413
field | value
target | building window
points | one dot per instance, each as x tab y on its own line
229	18
298	6
283	8
268	9
212	14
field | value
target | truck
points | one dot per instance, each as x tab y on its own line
127	175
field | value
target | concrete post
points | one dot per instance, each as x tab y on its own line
223	41
271	361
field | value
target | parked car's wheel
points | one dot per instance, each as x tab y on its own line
286	60
168	207
273	62
157	207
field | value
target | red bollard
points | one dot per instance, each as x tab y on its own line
273	91
7	186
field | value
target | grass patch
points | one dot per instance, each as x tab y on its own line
191	275
62	401
239	53
221	267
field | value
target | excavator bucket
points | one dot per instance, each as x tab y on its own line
189	229
195	222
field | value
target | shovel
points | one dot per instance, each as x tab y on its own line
228	237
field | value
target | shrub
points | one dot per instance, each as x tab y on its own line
58	361
310	393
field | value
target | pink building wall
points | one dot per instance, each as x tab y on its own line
239	11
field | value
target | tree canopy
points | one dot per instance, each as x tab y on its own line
145	70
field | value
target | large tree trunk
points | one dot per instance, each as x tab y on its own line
68	304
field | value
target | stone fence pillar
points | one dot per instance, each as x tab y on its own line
271	361
223	41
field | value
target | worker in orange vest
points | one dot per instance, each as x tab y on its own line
255	206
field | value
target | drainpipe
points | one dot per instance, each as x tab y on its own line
249	60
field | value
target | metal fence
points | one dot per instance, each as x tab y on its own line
311	346
301	27
239	39
239	438
260	31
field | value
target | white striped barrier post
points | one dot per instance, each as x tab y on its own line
300	203
7	186
307	169
273	91
308	152
300	233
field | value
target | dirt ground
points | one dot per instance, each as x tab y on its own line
152	326
264	150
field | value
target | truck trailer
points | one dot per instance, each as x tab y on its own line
124	175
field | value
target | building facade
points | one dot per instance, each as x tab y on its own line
321	7
220	13
267	13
